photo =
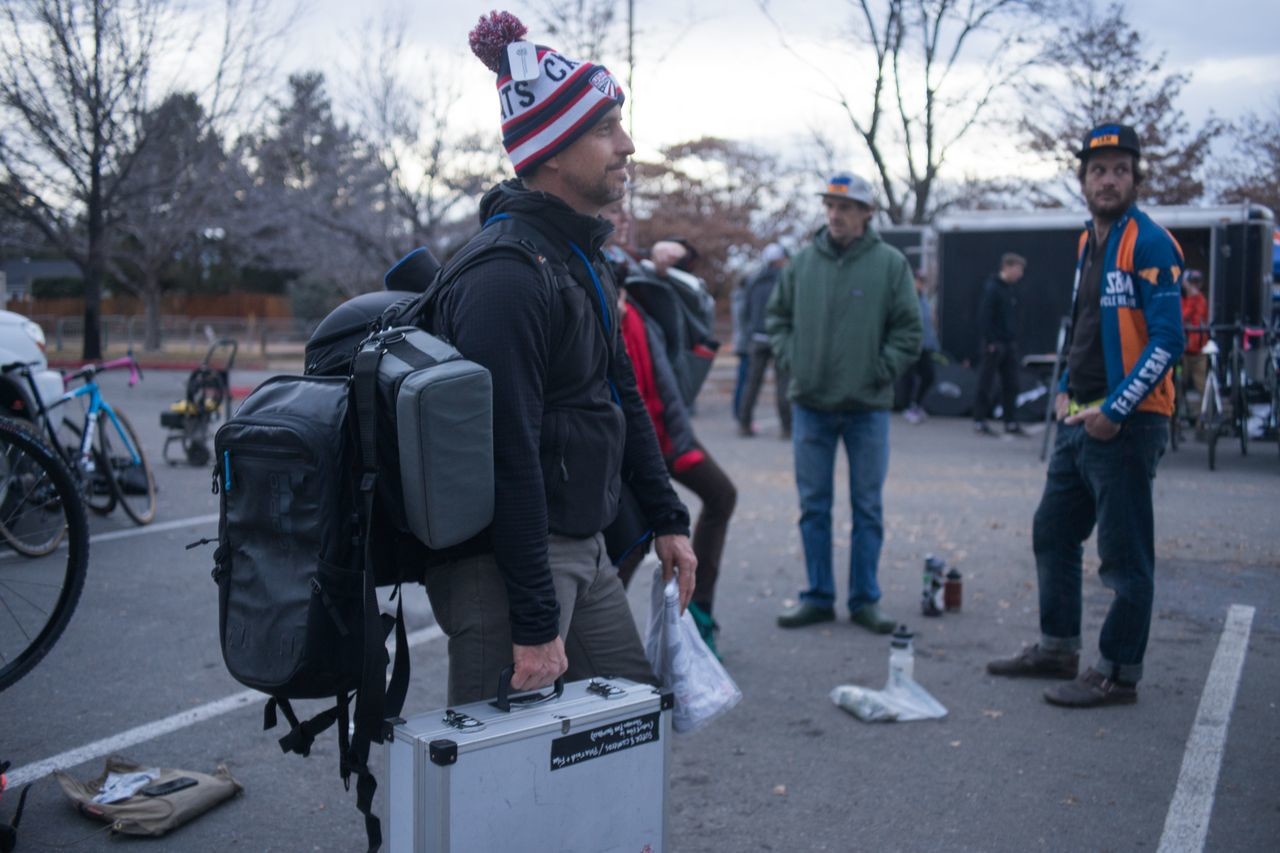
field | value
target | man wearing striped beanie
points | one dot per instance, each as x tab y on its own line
532	299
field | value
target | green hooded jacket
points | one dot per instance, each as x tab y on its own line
845	325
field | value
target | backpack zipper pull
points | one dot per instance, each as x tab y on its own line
214	488
317	589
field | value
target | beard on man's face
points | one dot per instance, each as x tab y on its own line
1110	202
602	190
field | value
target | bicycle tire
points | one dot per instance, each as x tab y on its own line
38	595
1275	401
98	496
1240	400
30	511
1212	426
138	502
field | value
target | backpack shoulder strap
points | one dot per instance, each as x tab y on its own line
502	236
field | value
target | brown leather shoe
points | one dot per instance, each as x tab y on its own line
1091	690
1031	662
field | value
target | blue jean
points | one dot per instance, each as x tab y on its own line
740	382
815	435
1107	483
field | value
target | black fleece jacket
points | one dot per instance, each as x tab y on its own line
569	425
998	312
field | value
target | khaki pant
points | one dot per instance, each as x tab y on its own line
469	600
1196	367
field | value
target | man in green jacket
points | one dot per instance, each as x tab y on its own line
845	322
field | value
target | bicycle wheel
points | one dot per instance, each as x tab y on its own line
132	480
1211	418
37	595
95	485
1240	400
31	519
1275	401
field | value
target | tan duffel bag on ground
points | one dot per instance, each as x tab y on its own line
151	815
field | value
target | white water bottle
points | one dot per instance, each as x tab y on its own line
901	659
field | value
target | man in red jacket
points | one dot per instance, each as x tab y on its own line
1195	312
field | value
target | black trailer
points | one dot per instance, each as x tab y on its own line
914	241
1231	244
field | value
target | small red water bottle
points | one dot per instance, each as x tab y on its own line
951	591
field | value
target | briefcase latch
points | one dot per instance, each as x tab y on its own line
460	721
605	690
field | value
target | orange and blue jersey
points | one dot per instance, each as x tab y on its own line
1141	314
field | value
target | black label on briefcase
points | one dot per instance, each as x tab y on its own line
603	740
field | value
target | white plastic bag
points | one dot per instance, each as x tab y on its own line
899	701
683	663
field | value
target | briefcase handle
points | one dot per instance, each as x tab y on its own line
505	701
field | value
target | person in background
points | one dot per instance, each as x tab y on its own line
845	323
741	341
997	324
688	462
919	376
1195	312
758	291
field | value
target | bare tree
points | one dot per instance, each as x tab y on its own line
1250	171
726	197
1098	70
583	29
925	56
433	167
174	192
77	79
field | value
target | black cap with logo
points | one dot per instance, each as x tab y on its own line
1110	136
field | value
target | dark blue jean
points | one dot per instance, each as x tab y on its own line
815	435
740	382
1107	483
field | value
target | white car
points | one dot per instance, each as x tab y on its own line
22	342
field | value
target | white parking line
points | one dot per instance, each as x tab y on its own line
130	532
152	730
161	527
1187	824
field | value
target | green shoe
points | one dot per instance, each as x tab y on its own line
870	617
806	614
707	628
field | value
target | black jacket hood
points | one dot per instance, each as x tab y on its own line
548	212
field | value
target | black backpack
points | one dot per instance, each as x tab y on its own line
298	612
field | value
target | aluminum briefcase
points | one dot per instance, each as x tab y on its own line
584	771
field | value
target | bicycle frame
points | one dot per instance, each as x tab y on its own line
1210	381
97	405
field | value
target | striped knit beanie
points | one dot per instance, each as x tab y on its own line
548	100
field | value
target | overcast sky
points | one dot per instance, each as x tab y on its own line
727	74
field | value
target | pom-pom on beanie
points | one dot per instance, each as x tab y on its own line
550	101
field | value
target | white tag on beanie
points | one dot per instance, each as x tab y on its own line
523	59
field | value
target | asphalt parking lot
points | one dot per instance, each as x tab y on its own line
139	672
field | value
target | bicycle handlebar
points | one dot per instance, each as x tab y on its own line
90	370
17	365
